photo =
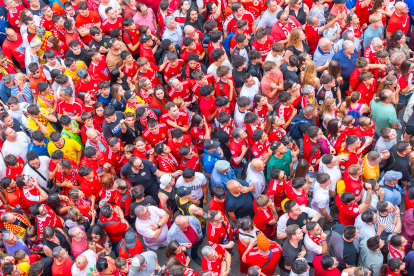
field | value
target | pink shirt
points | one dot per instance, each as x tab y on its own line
144	227
148	20
266	85
79	247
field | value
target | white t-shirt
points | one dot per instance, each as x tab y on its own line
91	257
320	199
50	68
281	225
196	184
43	169
112	3
212	69
29	58
249	92
18	148
312	249
257	179
275	59
334	173
239	118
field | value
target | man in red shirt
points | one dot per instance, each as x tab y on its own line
14	14
87	83
349	208
201	79
85	20
352	179
298	190
370	52
178	140
131	36
266	255
190	159
174	67
361	65
113	21
285	24
44	216
13	48
67	176
156	132
353	150
225	87
366	129
239	150
311	152
219	230
31	192
239	13
148	69
175	118
367	87
208	103
265	217
114	222
261	146
14	164
97	67
90	185
181	89
263	43
363	10
47	18
313	30
191	47
58	29
399	20
115	154
73	107
328	266
62	264
213	260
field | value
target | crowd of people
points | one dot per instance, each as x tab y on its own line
230	137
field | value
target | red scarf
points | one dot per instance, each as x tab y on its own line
357	31
187	70
132	106
392	273
95	145
284	29
151	114
50	103
316	240
395	253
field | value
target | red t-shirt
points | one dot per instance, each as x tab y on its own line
301	200
352	185
185	94
108	196
73	109
259	149
399	23
255	7
312	35
347	213
175	147
236	150
262	218
64	269
367	93
208	107
198	133
198	50
51	219
13	18
14	173
250	129
215	235
176	71
263	112
218	206
116	231
402	82
214	266
161	136
87	23
100	70
91	87
182	121
91	187
73	177
107	26
130	72
133	40
150	74
193	163
276	191
30	196
14	49
48	24
211	47
147	53
276	135
363	13
223	90
280	34
265	47
353	79
320	271
230	24
116	159
254	257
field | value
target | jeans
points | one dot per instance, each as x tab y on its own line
238	171
115	248
194	249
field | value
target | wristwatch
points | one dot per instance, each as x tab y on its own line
229	269
158	226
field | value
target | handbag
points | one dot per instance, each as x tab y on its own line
51	185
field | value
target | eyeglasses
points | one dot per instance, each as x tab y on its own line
140	166
95	237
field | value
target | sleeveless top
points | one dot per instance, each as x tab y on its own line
171	198
356	113
301	17
184	208
250	236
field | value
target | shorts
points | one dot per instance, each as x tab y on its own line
403	98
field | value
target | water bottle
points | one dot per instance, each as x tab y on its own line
225	240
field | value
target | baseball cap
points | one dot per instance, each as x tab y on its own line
136	263
222	165
390	176
35	42
339	1
183	191
211	144
128	94
82	73
263	243
165	179
130	239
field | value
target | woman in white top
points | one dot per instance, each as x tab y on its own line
181	13
247	234
328	111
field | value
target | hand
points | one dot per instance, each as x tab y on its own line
381	227
302	254
310	181
154	227
364	26
327	63
106	165
245	190
368	186
244	149
188	245
397	211
339	16
272	207
294	112
343	157
95	273
205	201
304	229
311	169
173	124
273	85
333	151
177	173
253	242
385	154
381	193
64	112
122	122
157	267
150	91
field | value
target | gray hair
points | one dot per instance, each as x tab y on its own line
254	271
323	42
5	235
235	132
345	34
167	20
309	109
376	41
3	217
72	230
7	79
207	250
178	219
41	31
309	19
139	209
347	44
67	90
397	58
307	89
56	252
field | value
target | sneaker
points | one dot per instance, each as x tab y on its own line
399	125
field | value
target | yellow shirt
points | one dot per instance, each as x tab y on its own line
69	149
74	74
43	104
31	124
133	110
24	268
369	172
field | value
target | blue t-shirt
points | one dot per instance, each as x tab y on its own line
347	64
41	150
242	205
370	33
106	101
350	4
209	161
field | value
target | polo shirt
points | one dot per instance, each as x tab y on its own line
347	64
241	205
144	177
320	57
383	115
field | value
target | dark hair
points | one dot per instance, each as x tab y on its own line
219	192
367	216
327	261
188	173
347	197
302	168
333	129
101	263
298	182
373	243
245	224
32	155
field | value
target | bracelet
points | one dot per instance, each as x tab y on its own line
323	240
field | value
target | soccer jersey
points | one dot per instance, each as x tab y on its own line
151	75
155	138
108	196
254	257
219	235
265	47
87	23
185	93
223	90
107	26
182	120
92	187
259	149
100	70
47	23
51	219
214	266
176	71
276	191
73	178
167	163
262	218
132	37
30	196
14	173
236	150
175	147
116	159
91	87
347	213
301	199
198	50
130	72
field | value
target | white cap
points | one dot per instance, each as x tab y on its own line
165	180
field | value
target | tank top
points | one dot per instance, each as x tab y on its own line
171	198
184	208
356	113
301	17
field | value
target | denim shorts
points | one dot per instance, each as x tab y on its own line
403	98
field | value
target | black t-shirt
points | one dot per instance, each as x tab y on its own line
409	128
255	70
237	77
145	176
16	125
113	129
289	254
287	74
198	24
148	200
223	139
48	263
130	135
61	239
82	56
103	43
303	127
397	163
241	205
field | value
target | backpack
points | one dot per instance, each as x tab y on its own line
226	42
294	130
355	114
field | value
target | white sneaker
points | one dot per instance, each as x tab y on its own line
399	125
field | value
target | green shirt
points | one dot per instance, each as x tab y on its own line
282	164
383	115
74	136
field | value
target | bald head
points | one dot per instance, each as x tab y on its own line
91	133
11	34
188	29
323	42
232	185
181	220
81	262
257	164
401	7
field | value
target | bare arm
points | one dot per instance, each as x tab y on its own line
362	207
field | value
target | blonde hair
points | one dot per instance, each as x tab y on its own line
294	38
76	215
140	83
375	18
309	75
21	76
326	105
178	102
